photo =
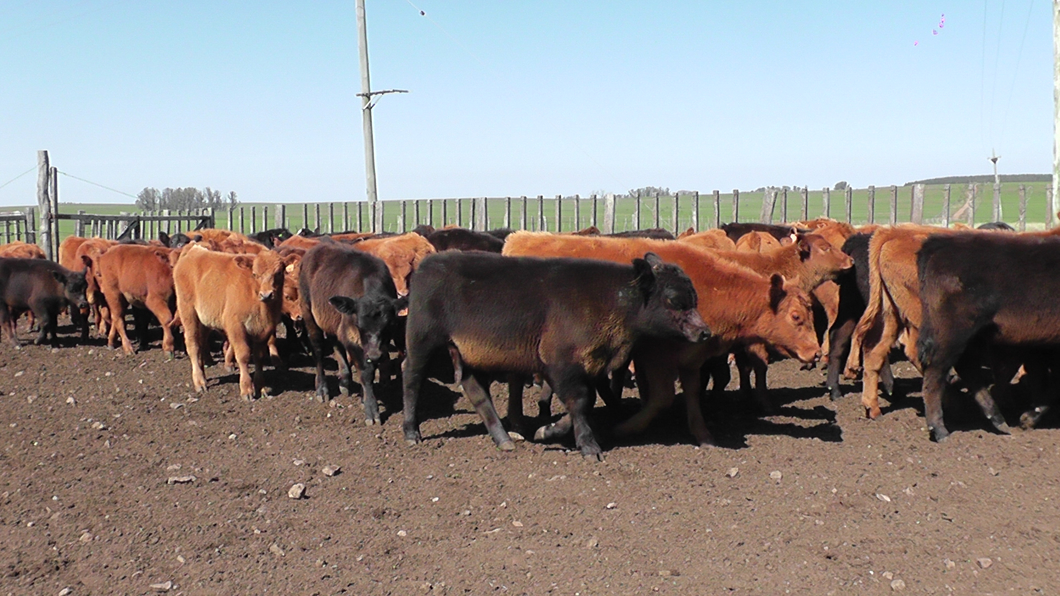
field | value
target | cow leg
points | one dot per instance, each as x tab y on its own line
242	350
258	350
419	346
1041	400
716	368
274	354
838	348
7	324
656	385
887	379
691	388
195	340
516	422
117	324
46	322
343	359
743	367
573	389
875	356
544	400
316	342
758	358
367	372
140	319
160	308
475	388
79	320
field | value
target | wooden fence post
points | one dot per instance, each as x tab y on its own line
430	212
996	212
253	219
559	213
524	222
916	211
360	216
735	205
872	204
594	211
894	205
281	216
508	212
655	219
1023	208
609	213
31	225
331	218
636	213
972	195
416	213
676	213
717	209
445	213
577	213
79	225
460	213
541	213
305	216
784	204
242	227
402	224
805	203
849	196
695	212
946	206
769	199
1049	206
316	219
44	203
826	196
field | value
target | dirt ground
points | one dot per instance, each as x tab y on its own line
813	500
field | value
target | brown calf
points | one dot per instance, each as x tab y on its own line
239	295
139	276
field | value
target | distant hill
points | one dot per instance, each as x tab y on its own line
987	179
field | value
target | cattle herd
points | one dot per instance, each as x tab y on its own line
583	313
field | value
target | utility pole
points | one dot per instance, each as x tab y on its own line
1056	113
366	114
366	94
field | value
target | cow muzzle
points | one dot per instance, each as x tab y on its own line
265	296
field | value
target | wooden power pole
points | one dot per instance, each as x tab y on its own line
375	214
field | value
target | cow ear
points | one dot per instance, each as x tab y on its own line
59	276
164	238
401	303
804	248
653	260
344	304
87	260
776	291
644	277
245	262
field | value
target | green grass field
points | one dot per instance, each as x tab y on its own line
252	217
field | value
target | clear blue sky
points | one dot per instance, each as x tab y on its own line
515	97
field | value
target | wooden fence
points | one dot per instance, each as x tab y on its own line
1027	205
942	205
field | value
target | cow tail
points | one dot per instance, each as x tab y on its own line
874	306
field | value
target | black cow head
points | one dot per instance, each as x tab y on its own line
74	286
670	300
373	317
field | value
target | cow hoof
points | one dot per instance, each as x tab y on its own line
938	434
170	356
344	390
1001	427
247	397
592	452
1029	419
541	434
835	394
321	396
230	369
873	413
371	422
517	437
506	446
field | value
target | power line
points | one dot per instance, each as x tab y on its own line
99	185
1015	71
17	177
